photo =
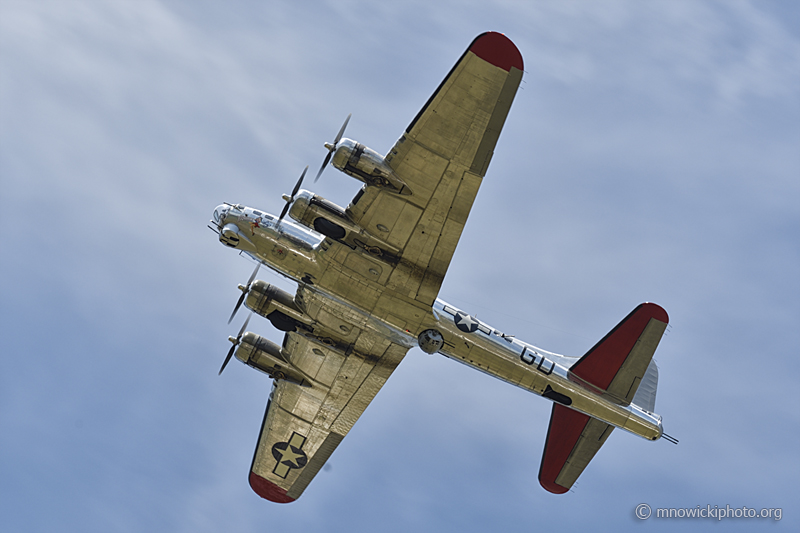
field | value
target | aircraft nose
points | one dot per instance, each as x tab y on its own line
219	214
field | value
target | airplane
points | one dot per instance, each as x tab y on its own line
368	278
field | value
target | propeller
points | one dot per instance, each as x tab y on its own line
332	147
290	199
235	342
245	289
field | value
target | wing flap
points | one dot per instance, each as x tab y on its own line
573	439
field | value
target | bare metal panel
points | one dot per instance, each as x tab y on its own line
442	158
303	425
628	379
594	435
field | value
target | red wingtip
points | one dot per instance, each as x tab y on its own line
656	311
498	50
268	490
552	487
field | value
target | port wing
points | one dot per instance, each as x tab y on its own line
304	425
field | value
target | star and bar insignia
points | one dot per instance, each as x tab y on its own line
289	455
466	323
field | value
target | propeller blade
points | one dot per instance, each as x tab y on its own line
333	147
299	182
227	358
244	292
294	192
341	131
324	163
238	305
253	275
284	210
244	327
235	344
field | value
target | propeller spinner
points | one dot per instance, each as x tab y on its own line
332	147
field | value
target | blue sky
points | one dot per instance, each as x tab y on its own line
650	155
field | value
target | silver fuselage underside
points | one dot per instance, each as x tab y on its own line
302	255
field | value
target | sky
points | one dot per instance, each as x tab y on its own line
652	154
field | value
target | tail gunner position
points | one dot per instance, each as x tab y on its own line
368	281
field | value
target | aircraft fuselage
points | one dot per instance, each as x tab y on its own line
329	313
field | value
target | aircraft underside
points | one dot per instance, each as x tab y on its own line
368	279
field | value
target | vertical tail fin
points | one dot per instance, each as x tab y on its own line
645	396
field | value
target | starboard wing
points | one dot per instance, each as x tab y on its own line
303	425
442	157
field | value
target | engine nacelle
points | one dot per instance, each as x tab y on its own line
276	305
264	355
329	219
322	216
367	165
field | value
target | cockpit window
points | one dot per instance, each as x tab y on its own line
219	213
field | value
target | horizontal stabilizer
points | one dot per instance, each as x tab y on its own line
573	439
617	364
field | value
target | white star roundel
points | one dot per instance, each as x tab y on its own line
465	323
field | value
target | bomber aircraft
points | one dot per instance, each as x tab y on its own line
368	279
